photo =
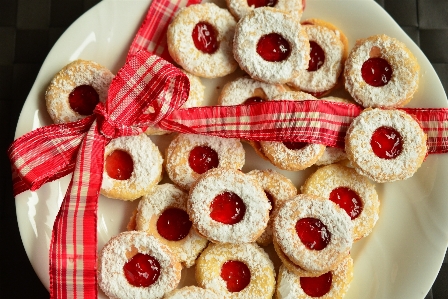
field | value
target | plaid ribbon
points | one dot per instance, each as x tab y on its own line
51	152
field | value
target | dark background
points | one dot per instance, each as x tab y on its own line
28	30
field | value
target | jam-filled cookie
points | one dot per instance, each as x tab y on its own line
292	155
132	167
313	232
330	285
380	71
271	45
195	99
351	191
228	206
163	213
135	265
236	271
240	8
188	156
200	40
385	145
327	57
278	189
75	90
192	292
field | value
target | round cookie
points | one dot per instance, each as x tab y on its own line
240	8
236	271
313	232
162	214
351	191
192	292
228	206
331	285
132	167
76	89
380	71
271	45
385	145
278	189
136	265
200	40
188	156
326	63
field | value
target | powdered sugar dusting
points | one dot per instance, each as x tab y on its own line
217	181
240	8
115	254
192	292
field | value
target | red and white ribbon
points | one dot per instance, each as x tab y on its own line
51	152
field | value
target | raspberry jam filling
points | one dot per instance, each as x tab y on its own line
119	165
203	158
386	143
173	224
316	286
273	47
205	38
227	208
295	145
236	274
347	199
83	99
253	100
376	71
261	3
313	233
317	57
142	270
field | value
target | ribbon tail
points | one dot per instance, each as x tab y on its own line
73	248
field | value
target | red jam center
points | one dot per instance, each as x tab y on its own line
271	201
253	100
174	224
142	270
83	99
236	274
386	143
317	57
203	158
376	71
205	38
313	233
119	165
273	47
316	286
261	3
227	208
347	199
295	145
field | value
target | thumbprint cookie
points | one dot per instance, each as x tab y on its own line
135	265
132	167
327	57
195	99
76	89
163	213
236	271
385	145
271	45
188	156
351	191
192	292
381	71
313	232
240	8
200	40
292	155
278	189
228	206
330	285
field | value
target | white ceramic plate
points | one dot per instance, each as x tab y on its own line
400	259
